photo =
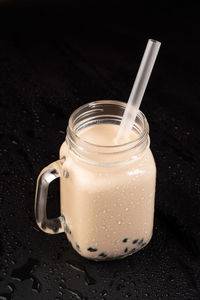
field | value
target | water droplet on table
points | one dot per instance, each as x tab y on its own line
79	267
25	272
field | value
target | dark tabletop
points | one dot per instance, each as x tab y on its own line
56	58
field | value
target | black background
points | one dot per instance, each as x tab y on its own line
55	58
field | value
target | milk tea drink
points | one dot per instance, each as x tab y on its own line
107	190
109	209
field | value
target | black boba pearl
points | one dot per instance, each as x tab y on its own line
125	240
134	249
92	249
102	254
126	250
141	242
77	247
135	241
44	225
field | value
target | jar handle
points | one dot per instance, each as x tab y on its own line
47	175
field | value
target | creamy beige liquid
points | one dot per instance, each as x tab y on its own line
109	210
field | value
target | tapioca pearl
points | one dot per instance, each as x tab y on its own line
140	242
126	250
135	241
92	249
125	240
134	249
43	225
102	254
78	247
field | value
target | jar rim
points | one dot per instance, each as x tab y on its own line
136	141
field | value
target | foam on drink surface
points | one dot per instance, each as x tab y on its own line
109	210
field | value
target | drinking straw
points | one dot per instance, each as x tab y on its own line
138	89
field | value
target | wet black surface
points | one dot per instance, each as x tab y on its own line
52	61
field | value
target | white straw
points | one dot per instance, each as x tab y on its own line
138	89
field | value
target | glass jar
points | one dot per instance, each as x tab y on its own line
106	192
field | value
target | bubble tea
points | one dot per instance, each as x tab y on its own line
107	190
107	176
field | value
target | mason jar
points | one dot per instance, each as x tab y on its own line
106	192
